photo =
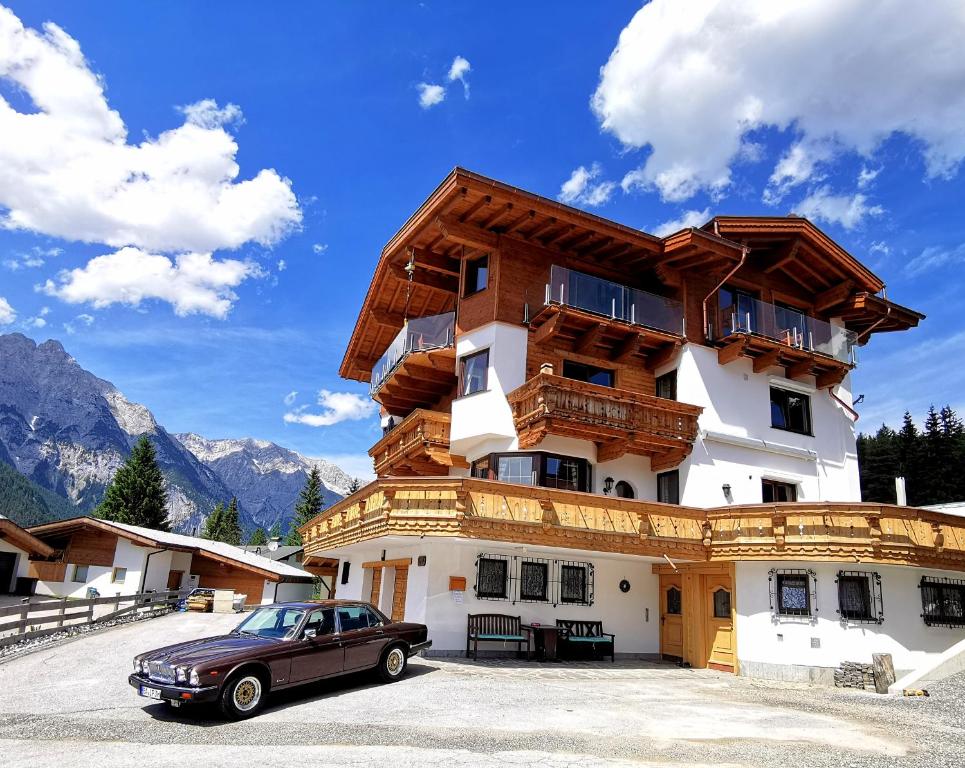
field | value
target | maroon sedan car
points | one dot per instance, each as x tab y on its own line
278	646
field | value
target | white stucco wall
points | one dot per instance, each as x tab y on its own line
736	404
20	566
486	416
766	639
632	616
126	555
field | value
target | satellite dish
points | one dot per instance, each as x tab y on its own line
272	546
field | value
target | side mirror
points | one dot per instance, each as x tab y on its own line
310	633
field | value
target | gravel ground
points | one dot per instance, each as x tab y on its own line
71	702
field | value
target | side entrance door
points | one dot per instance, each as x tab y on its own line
671	617
8	563
720	623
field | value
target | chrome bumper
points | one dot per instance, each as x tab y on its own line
414	649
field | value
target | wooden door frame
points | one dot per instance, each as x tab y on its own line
401	566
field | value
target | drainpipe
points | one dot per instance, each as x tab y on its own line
147	563
744	251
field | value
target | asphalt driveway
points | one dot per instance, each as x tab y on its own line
70	704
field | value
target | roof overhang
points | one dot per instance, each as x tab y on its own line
23	539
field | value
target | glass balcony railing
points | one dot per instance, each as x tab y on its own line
788	326
620	302
435	332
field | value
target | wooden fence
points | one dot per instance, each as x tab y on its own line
29	618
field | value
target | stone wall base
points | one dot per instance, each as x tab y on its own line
791	673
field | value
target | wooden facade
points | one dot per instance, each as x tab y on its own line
419	445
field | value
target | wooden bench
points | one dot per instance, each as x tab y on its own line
497	627
576	635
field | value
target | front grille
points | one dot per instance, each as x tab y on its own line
162	673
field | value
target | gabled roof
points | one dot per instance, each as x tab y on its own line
23	539
280	553
217	550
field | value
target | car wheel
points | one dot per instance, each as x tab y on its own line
244	696
393	664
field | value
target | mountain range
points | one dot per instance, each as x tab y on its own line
68	431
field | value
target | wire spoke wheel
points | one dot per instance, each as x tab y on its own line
247	693
395	662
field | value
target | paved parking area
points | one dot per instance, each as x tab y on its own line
70	704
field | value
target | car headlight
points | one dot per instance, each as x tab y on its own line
193	678
181	674
144	666
137	665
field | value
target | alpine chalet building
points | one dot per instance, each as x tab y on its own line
586	422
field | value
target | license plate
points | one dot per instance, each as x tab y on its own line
151	693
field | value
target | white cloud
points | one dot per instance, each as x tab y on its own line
430	94
866	176
7	314
336	407
847	210
582	187
193	283
282	265
691	80
879	246
458	71
290	397
796	166
319	248
82	319
686	220
68	170
935	257
34	258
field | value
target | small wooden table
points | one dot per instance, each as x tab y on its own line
545	638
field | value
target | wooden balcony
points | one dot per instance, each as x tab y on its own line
617	420
852	532
417	445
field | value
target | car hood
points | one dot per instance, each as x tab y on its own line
209	649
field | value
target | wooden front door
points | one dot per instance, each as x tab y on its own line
398	593
671	617
174	579
719	618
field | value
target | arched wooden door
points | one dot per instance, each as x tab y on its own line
719	620
671	617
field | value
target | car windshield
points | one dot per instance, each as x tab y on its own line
276	621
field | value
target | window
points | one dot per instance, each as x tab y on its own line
80	574
474	373
624	490
792	591
573	583
357	617
667	385
721	604
859	597
673	601
775	491
668	487
791	324
477	276
515	469
271	621
942	602
491	577
566	473
588	373
322	621
480	468
345	566
790	411
118	575
738	311
533	581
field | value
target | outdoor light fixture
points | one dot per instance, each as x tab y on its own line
608	486
858	400
726	489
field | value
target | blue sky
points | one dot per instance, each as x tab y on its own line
697	113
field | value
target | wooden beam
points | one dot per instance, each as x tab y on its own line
798	279
833	296
518	222
787	254
611	451
549	328
540	228
831	378
436	262
431	281
797	370
605	243
496	216
482	202
767	360
661	356
589	338
564	232
627	348
386	318
730	352
823	280
579	239
466	234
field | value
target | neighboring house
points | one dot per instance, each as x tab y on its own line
115	558
17	546
324	569
591	422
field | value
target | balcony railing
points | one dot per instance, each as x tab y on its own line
425	333
420	440
788	326
557	405
620	302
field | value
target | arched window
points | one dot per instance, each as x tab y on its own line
721	603
624	490
673	601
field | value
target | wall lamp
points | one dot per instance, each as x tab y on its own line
607	486
726	489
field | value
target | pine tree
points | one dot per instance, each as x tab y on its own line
354	486
909	460
309	506
136	495
230	529
275	532
258	537
212	525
